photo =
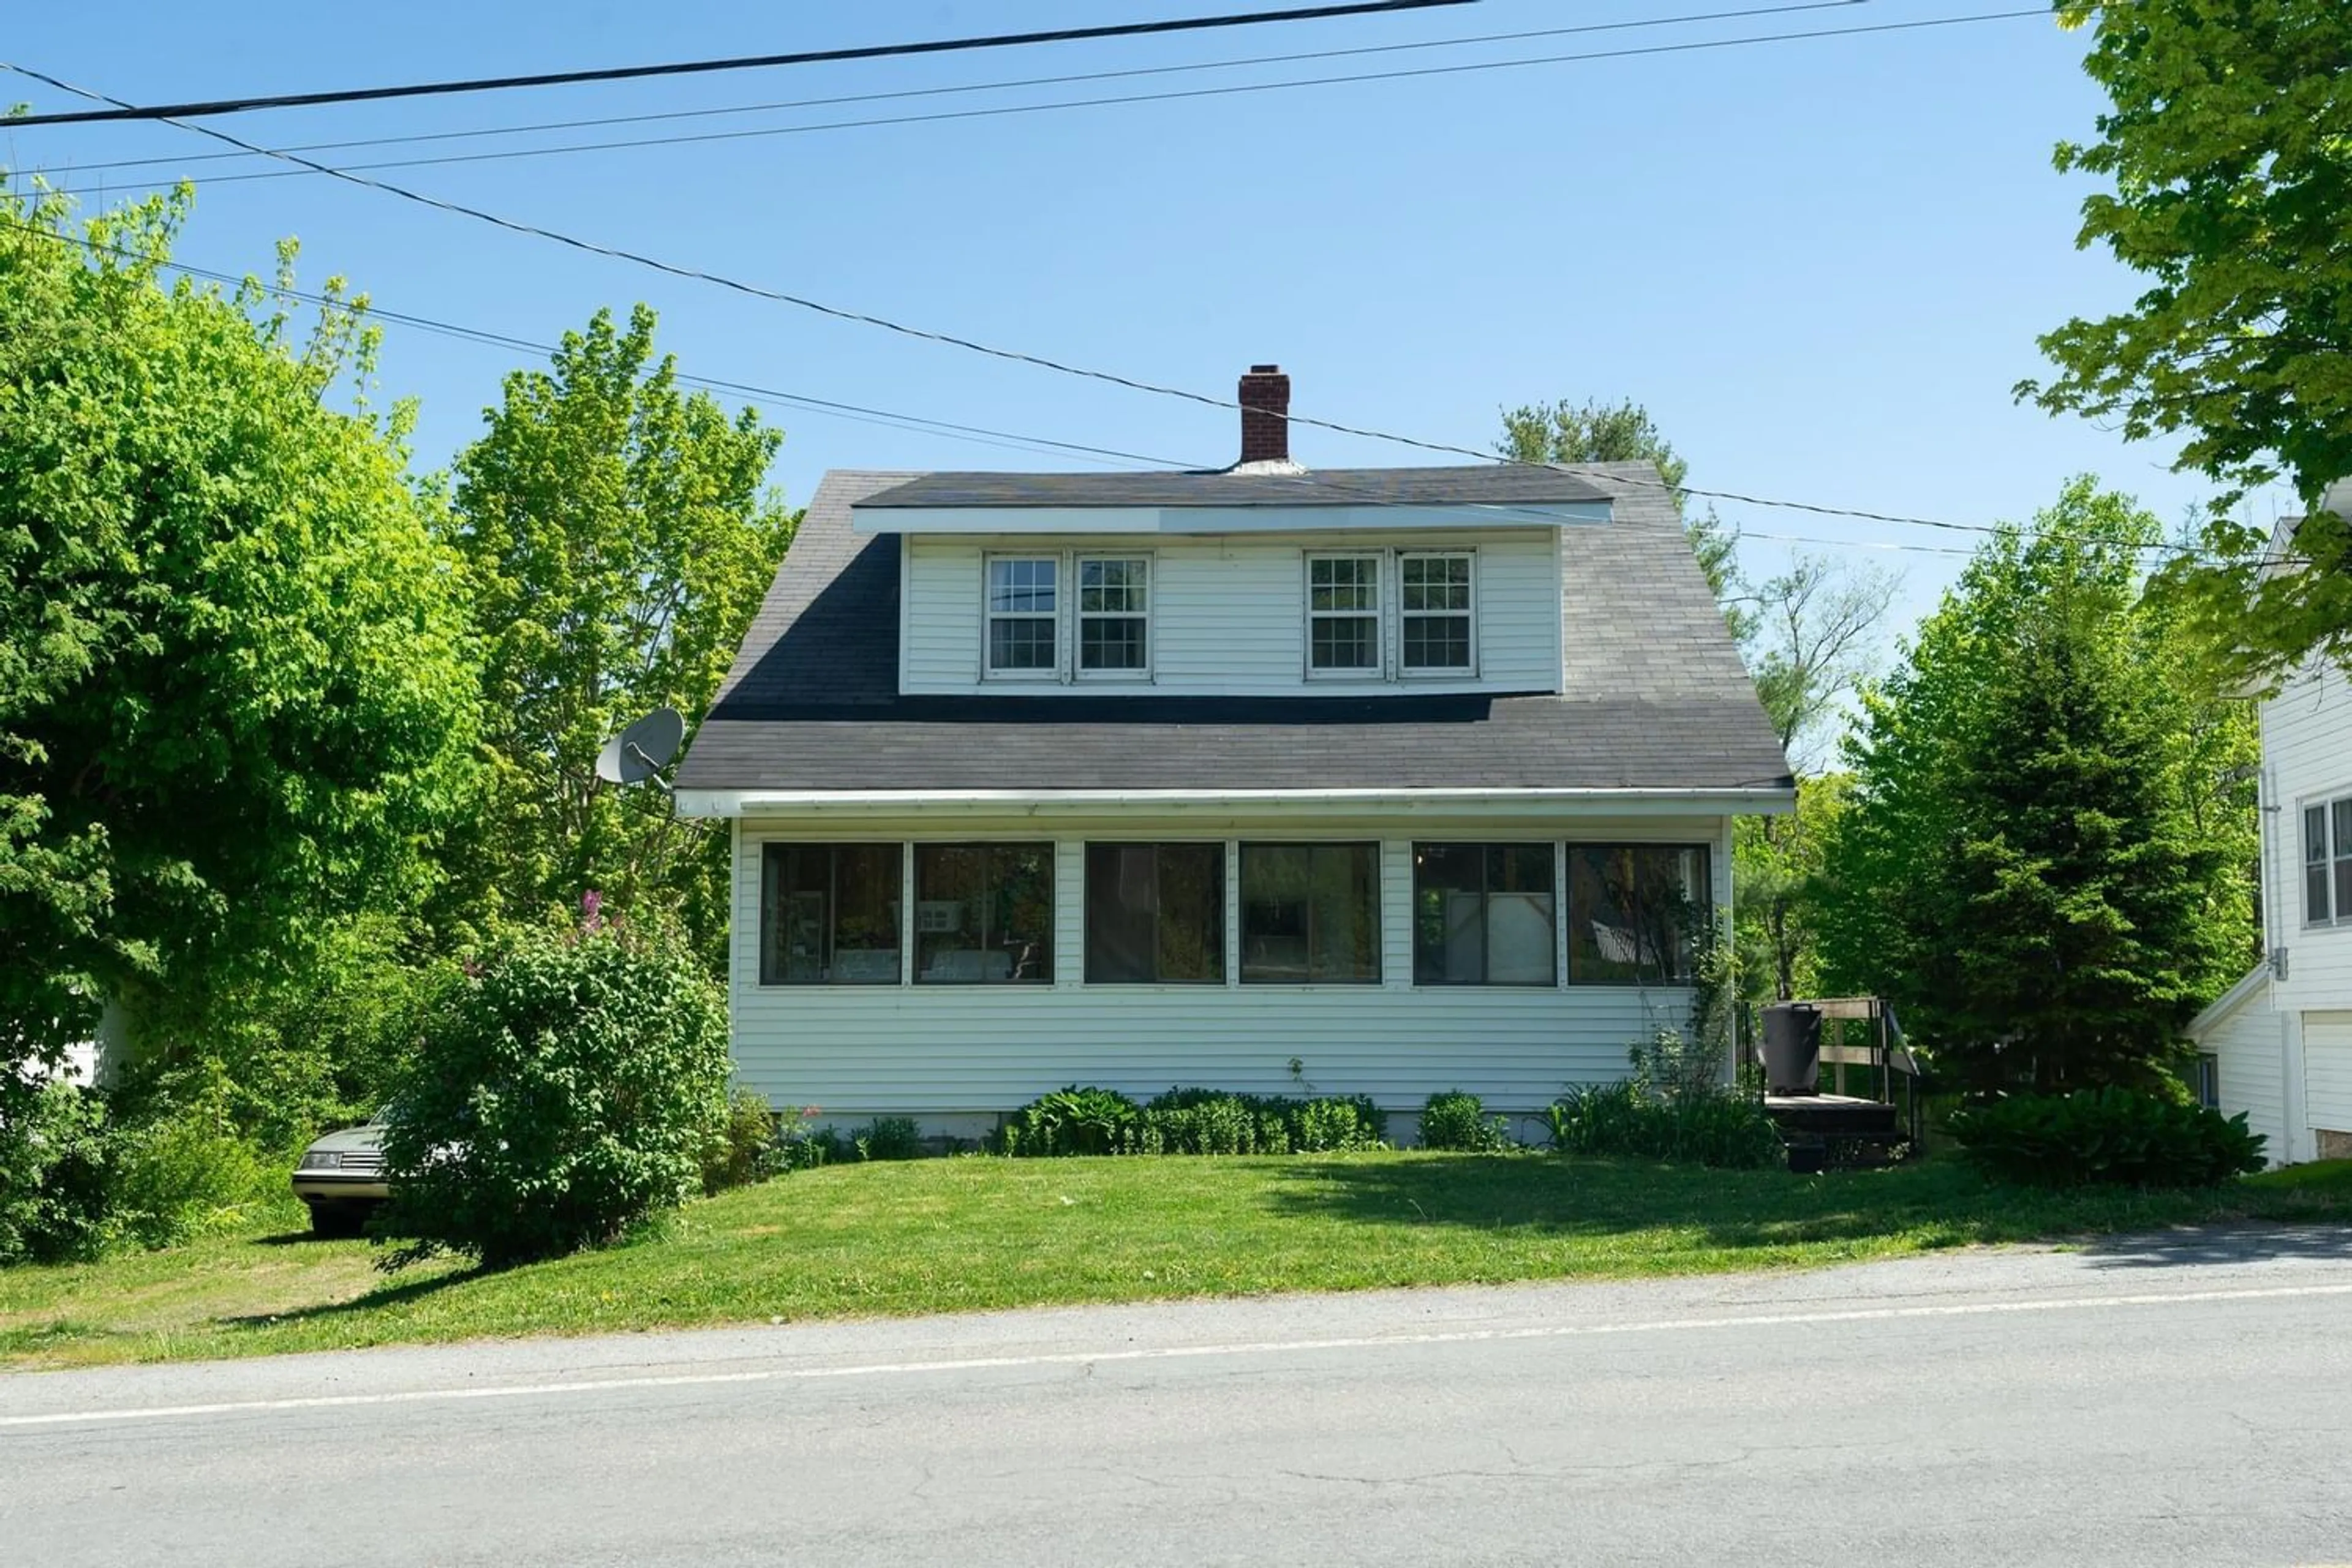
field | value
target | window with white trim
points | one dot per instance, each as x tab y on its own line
2328	862
1023	616
1343	615
1114	615
1433	608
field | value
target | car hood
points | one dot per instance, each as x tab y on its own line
368	1137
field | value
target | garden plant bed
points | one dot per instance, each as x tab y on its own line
955	1235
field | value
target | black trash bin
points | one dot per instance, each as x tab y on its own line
1792	1048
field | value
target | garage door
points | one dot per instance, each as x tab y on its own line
2327	1080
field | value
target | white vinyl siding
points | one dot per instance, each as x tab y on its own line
2250	1046
936	1051
2328	1070
1227	614
2306	734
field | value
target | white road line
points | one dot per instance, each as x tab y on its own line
1174	1353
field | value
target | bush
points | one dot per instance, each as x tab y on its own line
185	1175
53	1171
564	1096
1716	1126
1076	1120
889	1138
744	1148
1457	1120
2106	1135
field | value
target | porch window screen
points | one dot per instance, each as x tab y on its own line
984	914
1155	913
829	914
1482	915
1635	912
1310	914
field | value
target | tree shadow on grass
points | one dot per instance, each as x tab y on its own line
1601	1198
382	1296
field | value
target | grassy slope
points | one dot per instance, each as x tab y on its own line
957	1235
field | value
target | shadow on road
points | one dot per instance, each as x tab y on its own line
2223	1244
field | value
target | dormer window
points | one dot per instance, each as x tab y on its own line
1114	615
1343	615
1433	592
1023	616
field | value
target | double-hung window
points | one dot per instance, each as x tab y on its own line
1433	614
1114	615
1343	615
1482	915
2328	862
1023	616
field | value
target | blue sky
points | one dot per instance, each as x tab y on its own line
1822	264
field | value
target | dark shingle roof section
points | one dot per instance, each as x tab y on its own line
1492	484
1653	696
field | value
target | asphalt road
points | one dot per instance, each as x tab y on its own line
2182	1402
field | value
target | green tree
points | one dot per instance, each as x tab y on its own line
616	541
2036	861
2226	165
1596	432
1777	866
235	704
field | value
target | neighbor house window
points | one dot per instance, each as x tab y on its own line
1155	913
1114	615
2327	863
1343	614
1433	612
1482	915
1023	613
829	914
2205	1081
1636	912
1310	913
983	913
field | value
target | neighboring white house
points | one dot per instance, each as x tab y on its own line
2281	1041
1420	778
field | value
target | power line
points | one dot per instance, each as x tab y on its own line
1120	100
917	92
980	435
747	62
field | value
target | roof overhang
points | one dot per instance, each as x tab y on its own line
1183	520
1497	803
2255	984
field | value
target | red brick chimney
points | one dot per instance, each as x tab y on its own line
1265	414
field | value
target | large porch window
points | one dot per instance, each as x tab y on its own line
983	913
1482	915
829	914
1310	914
1155	913
1635	912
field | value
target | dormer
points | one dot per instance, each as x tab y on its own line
1265	578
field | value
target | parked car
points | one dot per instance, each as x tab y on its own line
340	1177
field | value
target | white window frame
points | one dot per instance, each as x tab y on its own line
1469	617
1382	564
2336	852
990	616
1080	615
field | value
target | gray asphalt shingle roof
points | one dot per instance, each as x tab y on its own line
1654	694
1458	484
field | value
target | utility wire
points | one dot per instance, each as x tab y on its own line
898	94
170	112
1119	99
979	434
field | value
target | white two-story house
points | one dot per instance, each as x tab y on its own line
1415	778
2279	1043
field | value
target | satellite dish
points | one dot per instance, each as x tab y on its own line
640	751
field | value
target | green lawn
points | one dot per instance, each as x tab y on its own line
957	1235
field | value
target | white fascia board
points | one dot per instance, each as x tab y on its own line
2256	982
1758	802
1182	520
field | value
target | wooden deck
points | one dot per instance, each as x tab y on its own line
1835	1116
